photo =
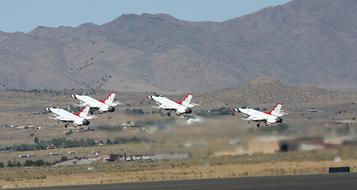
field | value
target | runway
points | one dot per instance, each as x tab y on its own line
302	182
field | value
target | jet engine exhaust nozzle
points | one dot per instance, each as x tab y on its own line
188	110
111	109
86	122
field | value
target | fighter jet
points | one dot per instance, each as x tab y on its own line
267	118
77	118
180	107
105	105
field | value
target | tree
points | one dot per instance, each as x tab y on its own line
89	142
9	164
35	141
63	158
2	165
69	143
28	163
58	142
39	163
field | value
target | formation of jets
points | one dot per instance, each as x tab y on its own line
89	104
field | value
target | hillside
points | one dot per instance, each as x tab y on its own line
266	91
301	42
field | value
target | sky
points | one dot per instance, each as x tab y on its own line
25	15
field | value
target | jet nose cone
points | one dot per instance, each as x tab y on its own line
48	109
237	110
74	96
150	97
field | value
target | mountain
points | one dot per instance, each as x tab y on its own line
303	41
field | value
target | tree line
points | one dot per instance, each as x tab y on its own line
29	163
72	143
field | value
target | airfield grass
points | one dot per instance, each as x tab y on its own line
291	163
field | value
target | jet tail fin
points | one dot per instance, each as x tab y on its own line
187	101
277	111
83	113
110	100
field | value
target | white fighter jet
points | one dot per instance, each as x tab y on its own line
179	107
105	105
77	118
267	118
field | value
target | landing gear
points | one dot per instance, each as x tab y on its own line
66	125
258	125
169	114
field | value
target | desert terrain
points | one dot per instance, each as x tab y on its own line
214	142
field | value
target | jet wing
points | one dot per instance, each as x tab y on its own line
271	121
255	118
64	118
167	107
180	111
114	103
77	122
103	109
59	117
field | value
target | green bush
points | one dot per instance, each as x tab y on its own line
34	163
63	158
9	164
28	163
17	164
39	163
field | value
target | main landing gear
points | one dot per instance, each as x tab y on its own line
164	113
258	124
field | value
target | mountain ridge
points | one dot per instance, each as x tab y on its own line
301	42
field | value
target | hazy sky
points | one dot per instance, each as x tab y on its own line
24	15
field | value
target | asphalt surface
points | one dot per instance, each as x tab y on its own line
303	182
